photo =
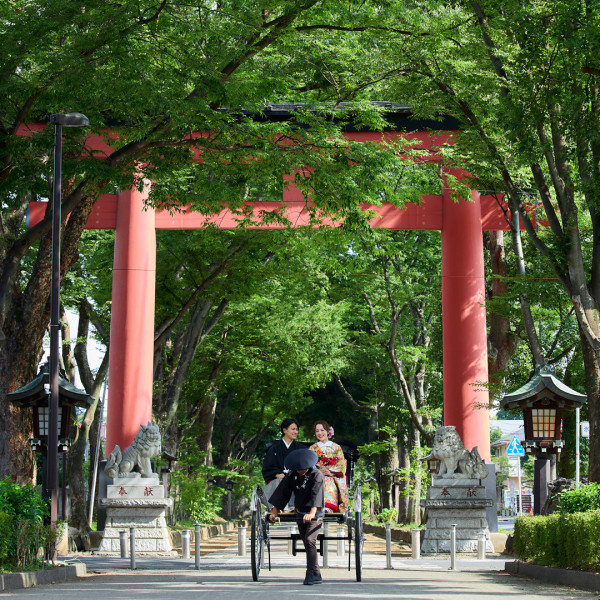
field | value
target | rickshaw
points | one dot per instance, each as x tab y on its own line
261	537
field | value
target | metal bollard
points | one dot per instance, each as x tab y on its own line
241	540
123	543
481	541
325	546
341	549
132	547
185	543
388	546
415	536
197	546
453	547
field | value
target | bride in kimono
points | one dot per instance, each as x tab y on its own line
333	466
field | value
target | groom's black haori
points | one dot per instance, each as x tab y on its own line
274	460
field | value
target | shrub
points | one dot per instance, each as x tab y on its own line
581	499
567	540
22	501
22	528
386	515
6	536
196	499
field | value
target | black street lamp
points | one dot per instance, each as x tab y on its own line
59	120
542	400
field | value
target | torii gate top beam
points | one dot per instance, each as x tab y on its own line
427	215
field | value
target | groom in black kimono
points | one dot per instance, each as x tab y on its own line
273	465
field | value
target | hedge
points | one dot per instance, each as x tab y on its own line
567	540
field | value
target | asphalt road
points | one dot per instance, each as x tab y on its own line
397	584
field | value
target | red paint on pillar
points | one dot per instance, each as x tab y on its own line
132	320
464	323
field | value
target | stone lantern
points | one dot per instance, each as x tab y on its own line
542	400
433	464
36	394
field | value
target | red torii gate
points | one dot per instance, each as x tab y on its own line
463	288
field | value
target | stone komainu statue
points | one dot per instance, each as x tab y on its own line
145	446
451	452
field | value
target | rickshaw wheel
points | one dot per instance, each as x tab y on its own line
257	540
358	544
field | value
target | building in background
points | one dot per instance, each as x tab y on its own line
510	485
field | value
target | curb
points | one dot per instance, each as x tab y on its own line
206	531
402	536
19	581
577	579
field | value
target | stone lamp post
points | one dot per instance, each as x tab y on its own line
35	395
542	400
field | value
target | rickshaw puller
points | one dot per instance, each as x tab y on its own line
307	483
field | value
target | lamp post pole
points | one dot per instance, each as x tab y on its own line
59	121
54	324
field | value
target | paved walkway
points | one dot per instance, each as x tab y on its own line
224	575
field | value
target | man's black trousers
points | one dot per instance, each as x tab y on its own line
309	532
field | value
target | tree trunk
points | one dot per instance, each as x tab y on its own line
168	402
387	463
403	504
502	342
92	384
415	497
93	439
79	504
206	422
592	388
16	425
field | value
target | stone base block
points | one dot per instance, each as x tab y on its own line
126	488
443	546
148	518
462	504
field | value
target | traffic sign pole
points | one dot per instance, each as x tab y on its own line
520	498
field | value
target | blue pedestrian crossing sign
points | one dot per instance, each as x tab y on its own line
515	448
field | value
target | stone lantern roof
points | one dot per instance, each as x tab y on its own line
543	383
34	392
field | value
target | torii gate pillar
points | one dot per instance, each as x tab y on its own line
464	322
132	320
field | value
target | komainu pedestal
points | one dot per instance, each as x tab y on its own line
140	503
455	501
456	496
136	499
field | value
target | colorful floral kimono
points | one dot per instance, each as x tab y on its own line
331	457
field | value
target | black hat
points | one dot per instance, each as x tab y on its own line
301	459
